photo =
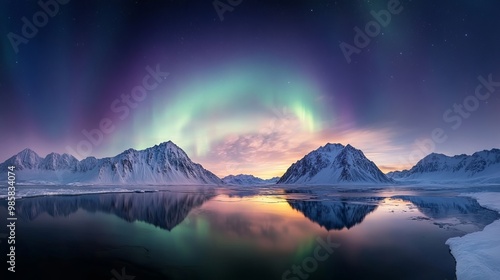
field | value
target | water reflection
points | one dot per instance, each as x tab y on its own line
163	209
168	209
437	207
336	213
231	236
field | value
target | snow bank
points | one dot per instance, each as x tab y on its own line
478	254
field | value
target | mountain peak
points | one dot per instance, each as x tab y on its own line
332	145
25	159
351	150
333	164
329	148
167	143
436	155
27	151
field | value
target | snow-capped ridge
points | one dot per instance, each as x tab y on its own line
480	167
55	161
245	179
164	163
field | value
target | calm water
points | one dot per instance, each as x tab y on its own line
258	234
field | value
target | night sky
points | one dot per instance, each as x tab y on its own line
252	89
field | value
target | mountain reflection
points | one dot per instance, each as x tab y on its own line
437	207
336	213
162	209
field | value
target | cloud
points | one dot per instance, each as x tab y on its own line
283	139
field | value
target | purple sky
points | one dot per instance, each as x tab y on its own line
265	85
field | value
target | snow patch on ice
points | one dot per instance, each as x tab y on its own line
478	254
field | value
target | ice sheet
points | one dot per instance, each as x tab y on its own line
478	254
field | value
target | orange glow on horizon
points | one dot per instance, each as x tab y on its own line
268	155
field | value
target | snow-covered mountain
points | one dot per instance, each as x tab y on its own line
480	167
334	164
25	159
162	164
54	161
243	179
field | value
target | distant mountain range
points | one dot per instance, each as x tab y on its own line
243	179
162	164
334	164
167	164
480	167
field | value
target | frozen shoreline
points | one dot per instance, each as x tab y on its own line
32	190
26	191
478	254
